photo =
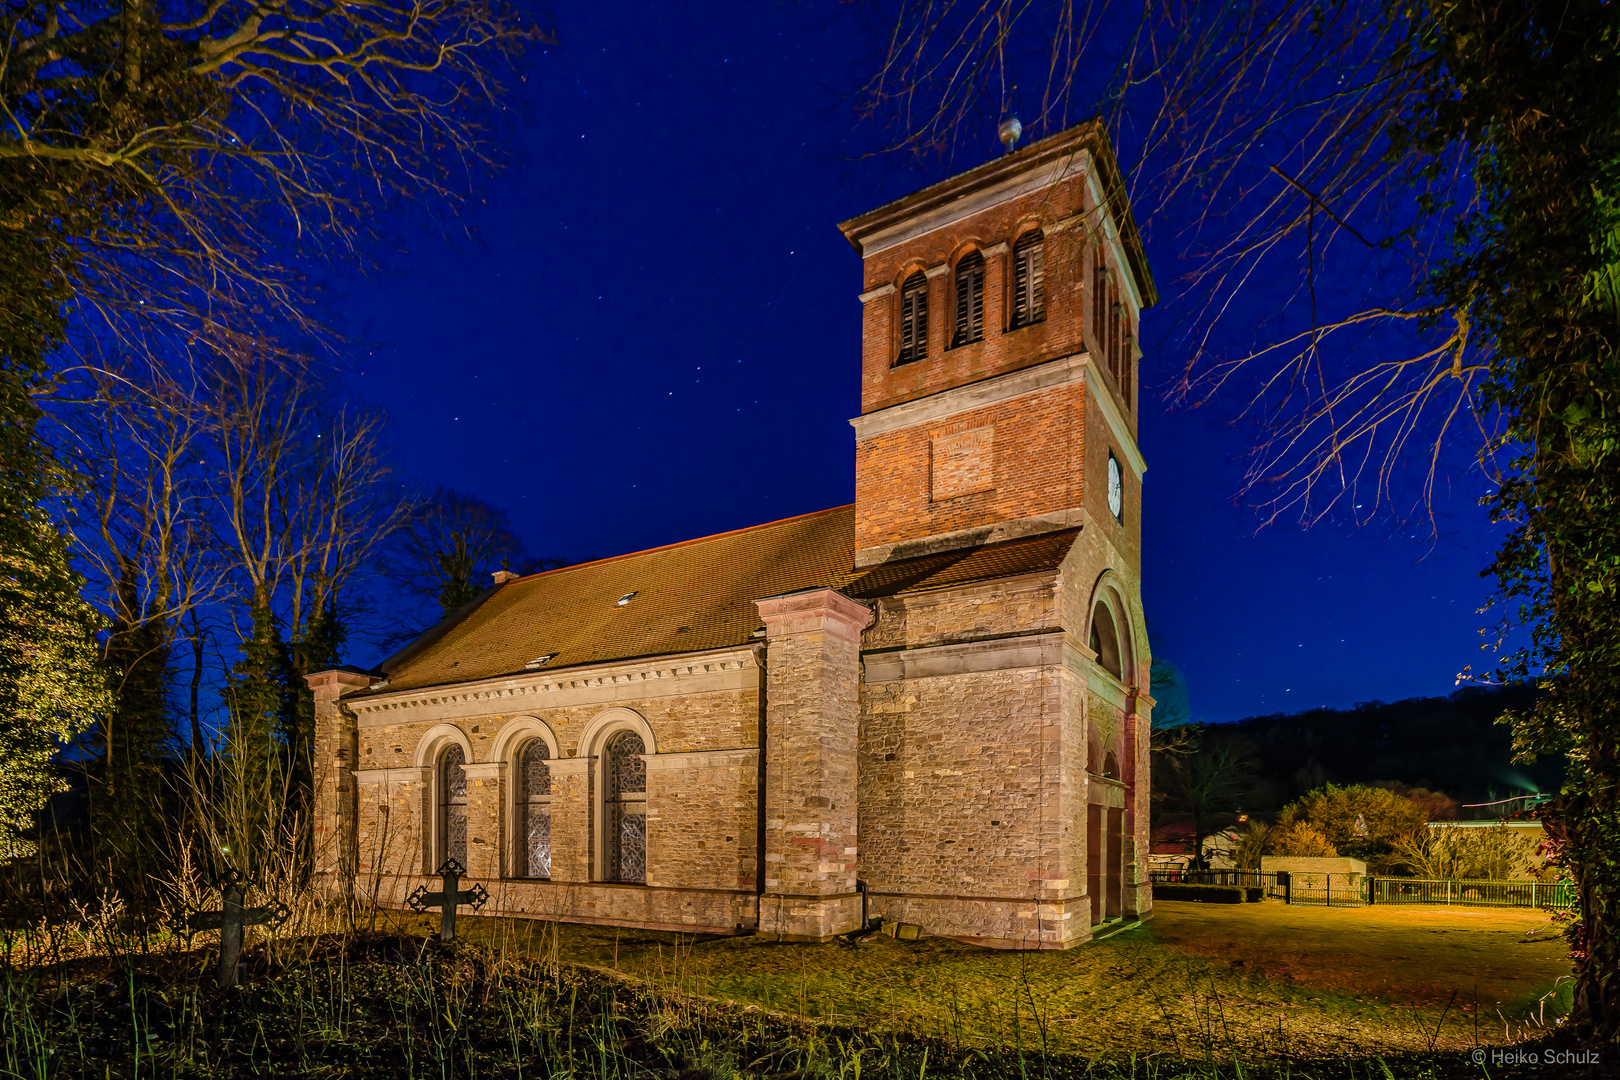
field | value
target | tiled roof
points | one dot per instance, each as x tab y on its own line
690	596
1002	560
695	595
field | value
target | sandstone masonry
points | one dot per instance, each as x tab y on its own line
930	706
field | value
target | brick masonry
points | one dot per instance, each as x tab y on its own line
961	750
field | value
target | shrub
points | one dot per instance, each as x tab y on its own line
1300	839
1359	821
1208	894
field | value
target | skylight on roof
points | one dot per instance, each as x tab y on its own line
626	598
541	661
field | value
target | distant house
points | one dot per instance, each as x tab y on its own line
1173	847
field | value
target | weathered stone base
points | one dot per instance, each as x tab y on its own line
809	918
701	911
992	922
1139	900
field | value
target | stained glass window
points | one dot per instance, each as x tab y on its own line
453	804
534	811
625	800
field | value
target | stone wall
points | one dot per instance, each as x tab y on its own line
972	761
812	695
702	720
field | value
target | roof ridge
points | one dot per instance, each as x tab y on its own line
682	543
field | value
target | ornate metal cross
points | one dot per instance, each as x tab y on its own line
230	919
448	900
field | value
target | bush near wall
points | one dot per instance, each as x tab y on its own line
1208	894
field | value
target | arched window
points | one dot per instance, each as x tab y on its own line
1099	302
1028	280
969	300
913	319
1111	766
624	793
453	804
533	798
1105	640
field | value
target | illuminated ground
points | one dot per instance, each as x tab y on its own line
1255	978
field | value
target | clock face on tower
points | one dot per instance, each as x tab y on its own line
1116	488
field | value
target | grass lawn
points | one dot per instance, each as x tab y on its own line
1253	979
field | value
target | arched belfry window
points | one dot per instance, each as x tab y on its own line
533	797
453	804
969	300
1111	766
1099	300
1028	279
913	319
624	793
1105	641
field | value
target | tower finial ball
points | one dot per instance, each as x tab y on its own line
1009	131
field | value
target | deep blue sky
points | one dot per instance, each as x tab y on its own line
648	332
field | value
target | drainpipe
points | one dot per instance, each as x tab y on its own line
759	821
860	887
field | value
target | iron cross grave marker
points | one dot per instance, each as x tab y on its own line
448	899
231	918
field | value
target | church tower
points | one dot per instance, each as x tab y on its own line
930	707
1003	766
999	355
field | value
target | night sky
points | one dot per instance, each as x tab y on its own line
645	330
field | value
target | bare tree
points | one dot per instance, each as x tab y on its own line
174	167
1263	144
448	547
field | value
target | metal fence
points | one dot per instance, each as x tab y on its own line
1469	893
1326	890
1359	890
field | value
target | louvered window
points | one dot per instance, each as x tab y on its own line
969	300
913	319
1099	302
534	810
1029	271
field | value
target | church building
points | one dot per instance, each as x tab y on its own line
930	705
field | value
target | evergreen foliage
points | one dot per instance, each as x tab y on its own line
319	649
51	682
133	745
261	695
1533	90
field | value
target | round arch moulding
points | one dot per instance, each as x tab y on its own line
519	730
608	721
1110	591
435	739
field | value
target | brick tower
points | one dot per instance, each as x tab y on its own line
1021	277
1004	716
